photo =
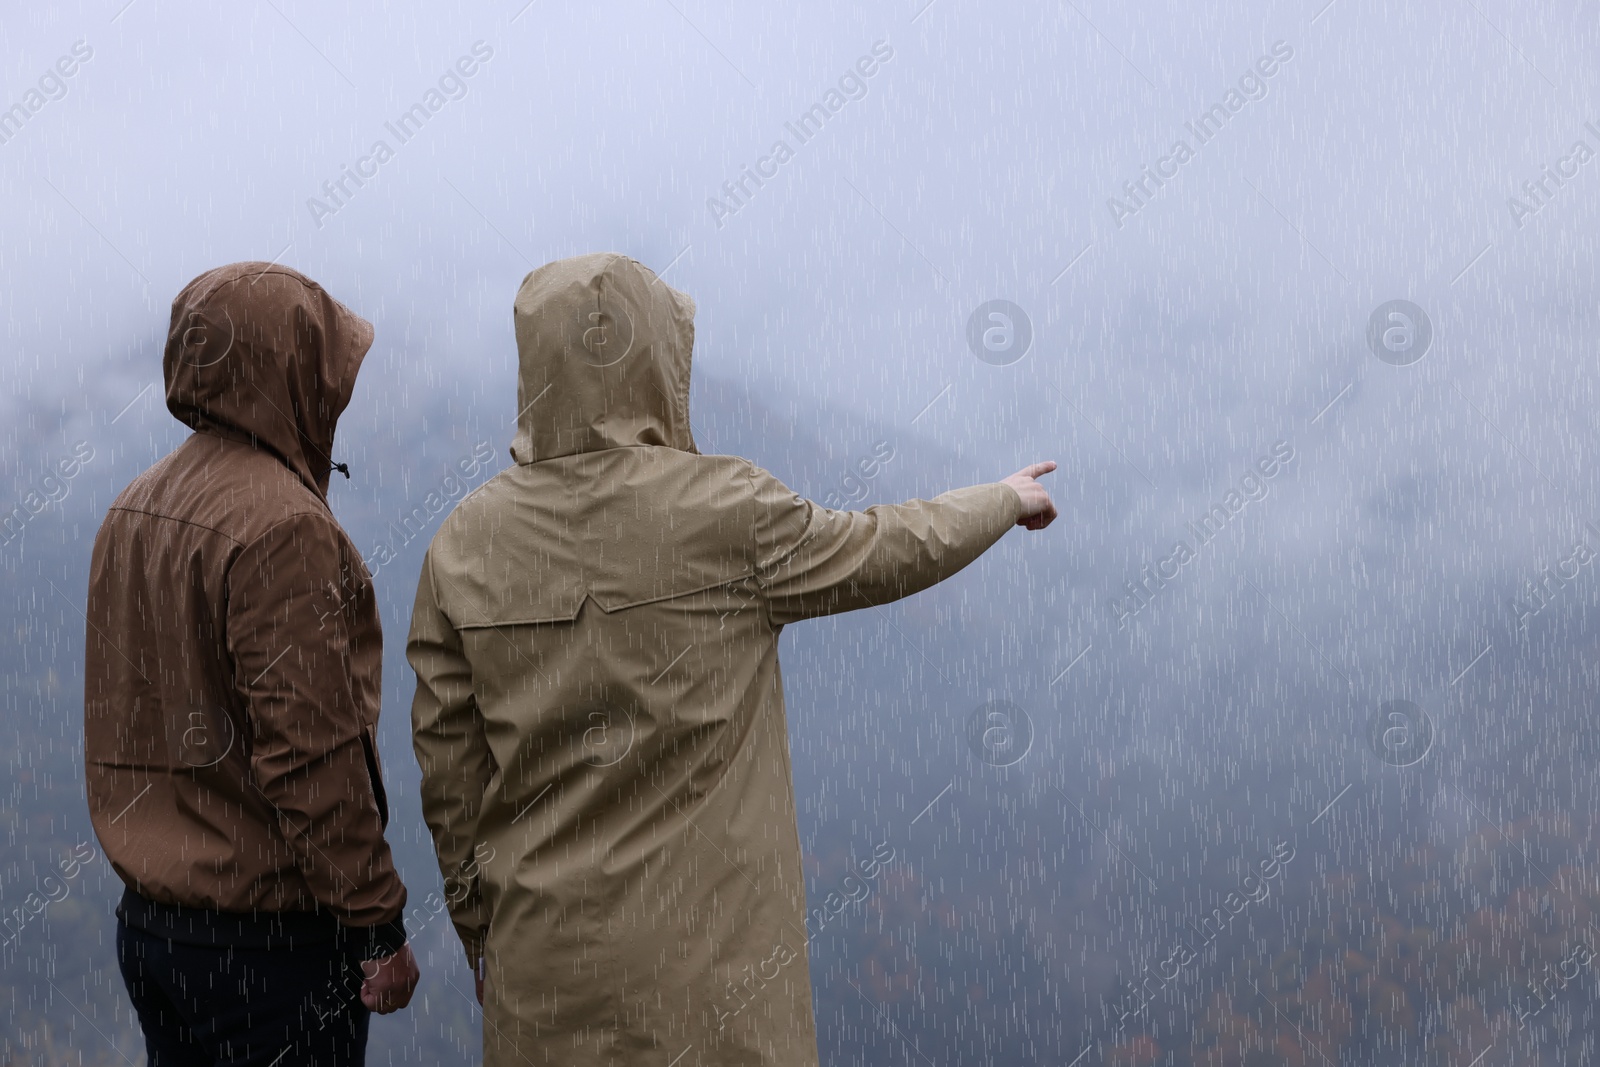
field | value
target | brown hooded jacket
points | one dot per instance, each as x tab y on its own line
599	713
231	687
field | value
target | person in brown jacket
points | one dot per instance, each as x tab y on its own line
599	711
231	697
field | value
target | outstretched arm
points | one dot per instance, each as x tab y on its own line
814	561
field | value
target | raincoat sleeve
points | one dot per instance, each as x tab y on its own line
812	560
289	641
453	752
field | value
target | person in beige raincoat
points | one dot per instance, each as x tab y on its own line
599	712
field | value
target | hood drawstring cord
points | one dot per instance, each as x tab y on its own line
342	468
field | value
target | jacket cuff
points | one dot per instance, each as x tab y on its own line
376	942
1015	500
472	940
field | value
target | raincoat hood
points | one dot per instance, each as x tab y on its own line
260	353
603	348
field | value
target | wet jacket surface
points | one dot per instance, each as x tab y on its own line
231	687
599	713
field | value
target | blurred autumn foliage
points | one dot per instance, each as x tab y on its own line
1428	955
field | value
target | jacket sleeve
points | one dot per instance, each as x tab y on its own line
813	561
288	635
453	752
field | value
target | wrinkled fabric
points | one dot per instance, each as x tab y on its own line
232	680
599	712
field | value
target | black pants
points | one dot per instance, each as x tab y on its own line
205	1005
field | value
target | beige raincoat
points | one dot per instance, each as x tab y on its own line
599	713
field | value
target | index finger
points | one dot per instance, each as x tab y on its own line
1033	470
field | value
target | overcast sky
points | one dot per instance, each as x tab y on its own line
966	154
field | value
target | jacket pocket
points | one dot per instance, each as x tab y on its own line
370	751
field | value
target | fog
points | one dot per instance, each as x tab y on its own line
1300	296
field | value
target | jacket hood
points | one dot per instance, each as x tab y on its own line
603	350
260	353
